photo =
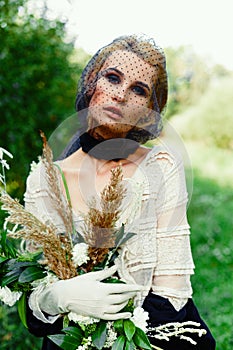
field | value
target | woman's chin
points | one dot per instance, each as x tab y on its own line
112	130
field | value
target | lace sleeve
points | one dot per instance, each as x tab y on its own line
172	192
36	195
174	258
37	199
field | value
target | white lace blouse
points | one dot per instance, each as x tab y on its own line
159	255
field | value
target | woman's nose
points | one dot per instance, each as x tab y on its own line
120	95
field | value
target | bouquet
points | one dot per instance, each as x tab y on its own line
66	255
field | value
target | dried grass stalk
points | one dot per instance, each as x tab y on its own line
56	248
52	174
99	227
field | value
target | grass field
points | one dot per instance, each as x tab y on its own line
210	215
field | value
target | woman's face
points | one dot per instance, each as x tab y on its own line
122	93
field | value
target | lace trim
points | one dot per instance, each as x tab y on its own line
178	303
174	293
180	230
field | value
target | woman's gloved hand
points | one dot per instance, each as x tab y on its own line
87	295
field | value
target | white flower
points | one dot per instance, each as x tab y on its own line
139	318
47	280
34	164
111	336
80	254
84	320
86	342
8	297
4	164
2	151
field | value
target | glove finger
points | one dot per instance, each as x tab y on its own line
113	309
113	317
117	288
103	274
120	298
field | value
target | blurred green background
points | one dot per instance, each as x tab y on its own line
39	72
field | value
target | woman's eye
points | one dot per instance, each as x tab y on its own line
138	90
113	78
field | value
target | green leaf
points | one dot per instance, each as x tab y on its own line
30	274
10	277
2	259
22	309
121	238
114	255
66	342
141	340
30	257
129	328
74	331
7	247
79	237
16	272
129	307
126	237
99	336
20	264
3	242
119	326
11	249
64	183
119	343
113	280
14	264
129	345
119	234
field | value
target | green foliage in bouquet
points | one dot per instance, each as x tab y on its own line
96	336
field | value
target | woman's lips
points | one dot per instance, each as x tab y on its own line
113	112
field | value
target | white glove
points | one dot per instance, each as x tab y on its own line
86	295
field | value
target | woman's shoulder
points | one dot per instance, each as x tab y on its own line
36	179
162	154
73	161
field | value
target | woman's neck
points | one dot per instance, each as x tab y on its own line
105	132
101	166
110	149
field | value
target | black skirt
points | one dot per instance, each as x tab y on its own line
160	312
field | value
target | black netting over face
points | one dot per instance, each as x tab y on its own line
130	70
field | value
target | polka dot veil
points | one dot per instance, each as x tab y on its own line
125	85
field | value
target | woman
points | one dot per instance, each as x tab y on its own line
122	94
